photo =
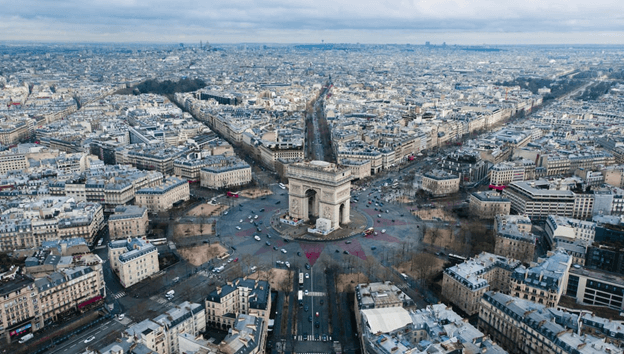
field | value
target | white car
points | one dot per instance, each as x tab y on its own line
287	264
255	216
307	276
283	250
89	339
238	227
305	293
250	217
241	220
383	231
225	213
257	238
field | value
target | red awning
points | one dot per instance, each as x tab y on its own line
89	302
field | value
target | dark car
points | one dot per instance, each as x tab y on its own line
345	252
305	308
262	210
275	248
279	201
373	248
286	240
308	267
268	243
337	251
309	318
233	247
324	337
347	242
305	335
299	254
317	324
322	301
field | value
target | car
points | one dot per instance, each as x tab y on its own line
345	252
236	259
251	221
121	316
89	339
383	231
268	236
275	248
257	238
378	215
305	335
205	241
262	210
279	201
307	266
324	337
259	229
225	212
307	275
298	253
337	251
255	216
233	247
347	242
373	248
287	264
322	301
230	260
250	217
306	308
286	240
309	318
305	293
238	227
283	250
268	243
317	314
317	324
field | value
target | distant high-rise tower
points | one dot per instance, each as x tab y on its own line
427	43
201	45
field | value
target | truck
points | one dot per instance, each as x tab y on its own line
26	338
301	279
300	297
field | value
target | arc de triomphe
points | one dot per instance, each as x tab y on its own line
319	189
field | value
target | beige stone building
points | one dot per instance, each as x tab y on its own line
128	221
162	197
544	281
514	238
465	283
13	132
185	318
19	301
440	183
360	169
486	205
133	260
70	290
151	334
12	162
241	296
225	172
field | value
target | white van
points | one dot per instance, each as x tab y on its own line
253	269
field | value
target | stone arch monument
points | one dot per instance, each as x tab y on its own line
319	189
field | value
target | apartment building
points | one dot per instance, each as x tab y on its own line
522	326
133	260
187	317
15	131
128	221
241	296
68	291
486	205
10	161
432	329
164	196
514	238
561	227
270	153
21	308
440	183
49	218
543	282
465	283
150	334
503	173
381	295
360	169
225	172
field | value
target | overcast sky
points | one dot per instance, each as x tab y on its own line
334	21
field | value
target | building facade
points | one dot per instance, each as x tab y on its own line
133	260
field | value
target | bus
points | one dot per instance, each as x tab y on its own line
232	194
300	279
300	297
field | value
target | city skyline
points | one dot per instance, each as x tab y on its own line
453	22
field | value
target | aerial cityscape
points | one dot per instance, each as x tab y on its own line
180	178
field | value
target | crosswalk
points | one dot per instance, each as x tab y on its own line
311	338
316	293
119	295
159	299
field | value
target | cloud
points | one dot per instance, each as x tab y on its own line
222	21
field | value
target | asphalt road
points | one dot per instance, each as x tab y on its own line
78	345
